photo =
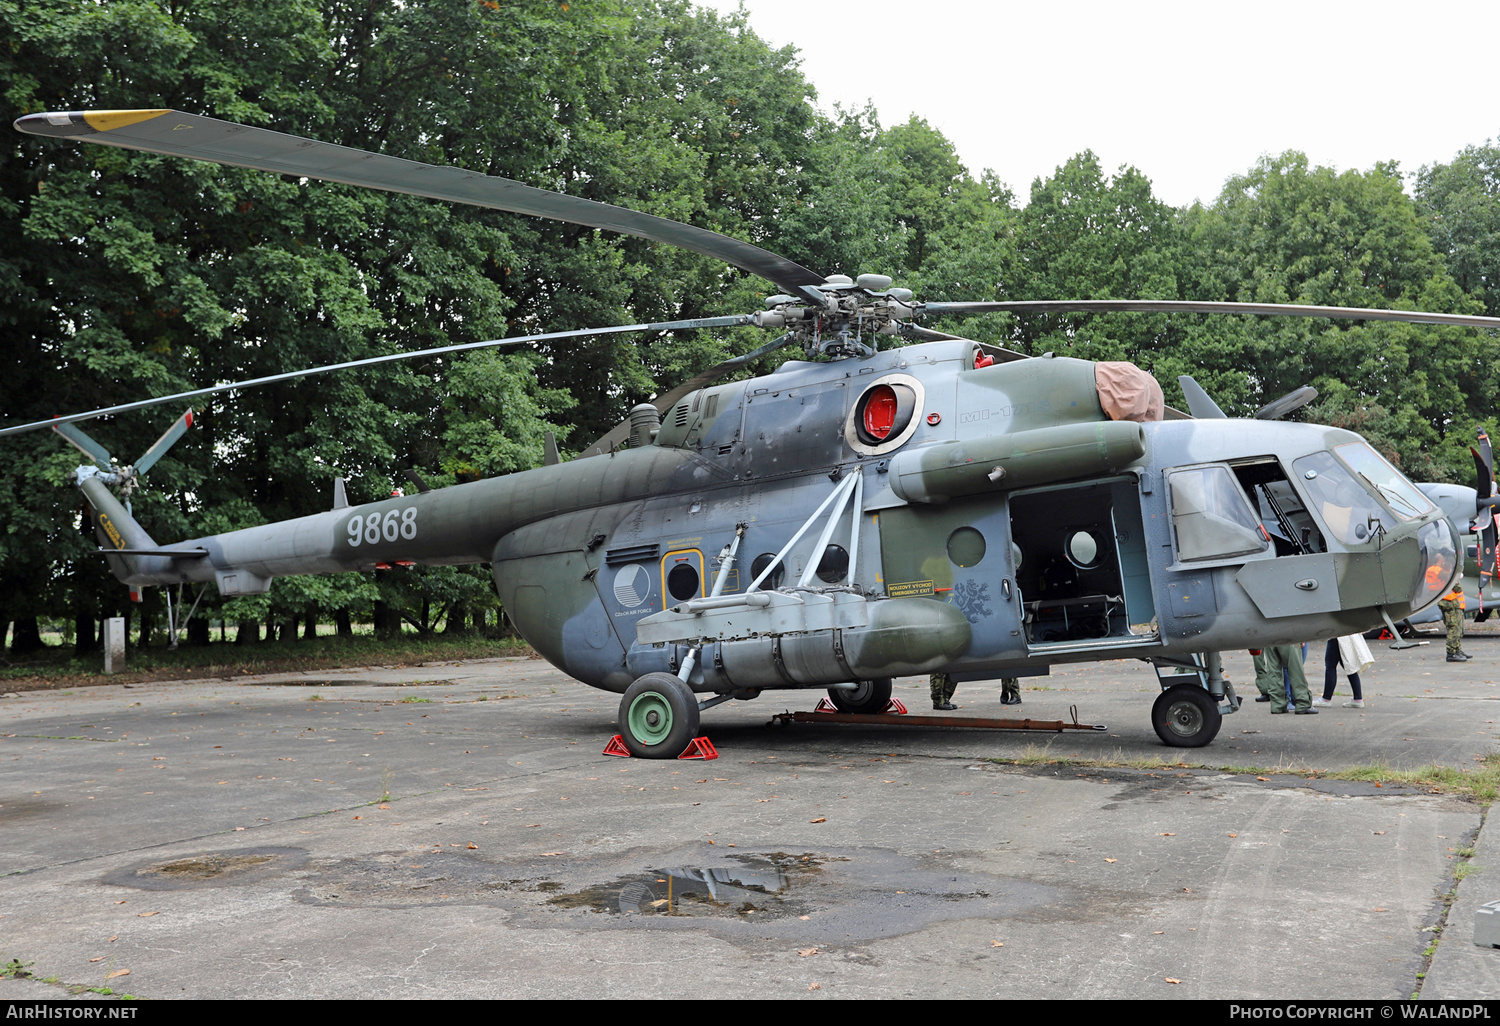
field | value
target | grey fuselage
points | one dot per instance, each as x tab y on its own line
1050	533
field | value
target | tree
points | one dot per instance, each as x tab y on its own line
1290	233
1460	203
139	274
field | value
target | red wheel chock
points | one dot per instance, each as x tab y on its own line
894	707
700	748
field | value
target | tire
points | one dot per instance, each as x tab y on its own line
1186	716
871	697
658	717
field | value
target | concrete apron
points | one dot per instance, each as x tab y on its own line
235	839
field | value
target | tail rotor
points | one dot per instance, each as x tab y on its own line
125	478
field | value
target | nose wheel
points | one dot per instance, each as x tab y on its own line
1186	716
658	716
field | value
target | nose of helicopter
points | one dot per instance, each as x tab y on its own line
1437	545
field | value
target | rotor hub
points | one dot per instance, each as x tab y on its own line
851	310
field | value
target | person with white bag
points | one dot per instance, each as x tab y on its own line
1353	654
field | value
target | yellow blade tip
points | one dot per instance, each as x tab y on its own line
105	120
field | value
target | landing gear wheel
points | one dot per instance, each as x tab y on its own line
870	696
658	717
1186	716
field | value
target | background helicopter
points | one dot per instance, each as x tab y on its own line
1472	513
947	505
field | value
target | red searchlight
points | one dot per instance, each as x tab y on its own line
883	412
880	412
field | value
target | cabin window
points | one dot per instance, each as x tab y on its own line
1347	509
1399	493
1211	516
966	547
834	566
682	581
773	581
1083	550
682	575
1281	508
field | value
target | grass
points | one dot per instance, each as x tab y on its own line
1481	783
1035	755
15	969
57	667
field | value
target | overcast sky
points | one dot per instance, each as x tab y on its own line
1188	92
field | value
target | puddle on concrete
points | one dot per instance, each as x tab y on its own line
833	897
758	886
209	869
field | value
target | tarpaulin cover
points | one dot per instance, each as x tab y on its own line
1128	393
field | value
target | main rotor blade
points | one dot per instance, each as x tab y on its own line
166	441
664	402
735	320
222	142
1186	306
84	444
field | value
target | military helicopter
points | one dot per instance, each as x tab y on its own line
1472	513
858	514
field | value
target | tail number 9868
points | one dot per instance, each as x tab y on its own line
393	524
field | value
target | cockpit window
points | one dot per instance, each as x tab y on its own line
1399	493
1212	517
1345	506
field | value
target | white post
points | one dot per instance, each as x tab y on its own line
114	644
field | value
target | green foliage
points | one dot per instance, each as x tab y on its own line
1287	232
1460	203
1086	236
140	275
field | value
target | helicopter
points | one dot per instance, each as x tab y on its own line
1472	513
859	514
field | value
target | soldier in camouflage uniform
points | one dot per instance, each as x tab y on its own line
1263	680
1452	605
1273	685
942	686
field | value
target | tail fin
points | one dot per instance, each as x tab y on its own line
115	527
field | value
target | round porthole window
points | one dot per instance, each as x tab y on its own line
834	566
1083	550
758	567
682	582
966	547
